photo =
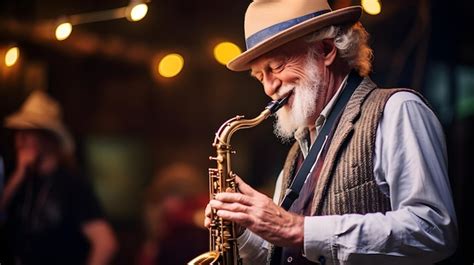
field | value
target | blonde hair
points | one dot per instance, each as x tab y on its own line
351	43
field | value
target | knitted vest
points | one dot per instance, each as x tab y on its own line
346	183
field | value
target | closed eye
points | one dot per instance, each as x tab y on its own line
278	68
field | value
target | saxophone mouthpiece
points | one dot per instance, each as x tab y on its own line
275	105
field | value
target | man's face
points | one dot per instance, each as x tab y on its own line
295	72
32	144
28	140
28	145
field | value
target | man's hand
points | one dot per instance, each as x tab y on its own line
259	214
25	159
207	221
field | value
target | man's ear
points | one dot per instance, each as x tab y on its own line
330	51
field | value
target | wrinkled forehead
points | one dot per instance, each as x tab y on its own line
265	60
296	48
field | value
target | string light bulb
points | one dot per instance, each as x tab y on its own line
137	12
63	31
11	56
171	65
371	7
226	51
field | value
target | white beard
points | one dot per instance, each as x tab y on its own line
303	107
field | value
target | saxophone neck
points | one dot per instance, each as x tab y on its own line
225	132
229	127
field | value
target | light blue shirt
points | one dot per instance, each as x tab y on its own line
410	166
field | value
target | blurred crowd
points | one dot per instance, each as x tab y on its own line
50	213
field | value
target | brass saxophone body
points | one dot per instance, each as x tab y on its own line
223	248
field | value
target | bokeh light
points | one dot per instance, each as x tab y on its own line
11	56
371	7
63	31
138	12
171	65
226	51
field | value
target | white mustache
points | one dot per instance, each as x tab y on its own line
286	91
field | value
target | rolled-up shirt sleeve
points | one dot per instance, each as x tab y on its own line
252	248
410	166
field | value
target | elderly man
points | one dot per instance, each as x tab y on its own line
377	191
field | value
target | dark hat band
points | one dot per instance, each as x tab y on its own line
264	34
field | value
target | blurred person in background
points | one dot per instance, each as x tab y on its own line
173	219
52	213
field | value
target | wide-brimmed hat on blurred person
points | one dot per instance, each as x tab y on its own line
271	23
40	111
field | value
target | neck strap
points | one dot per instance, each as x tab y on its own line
293	192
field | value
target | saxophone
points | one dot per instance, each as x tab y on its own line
223	249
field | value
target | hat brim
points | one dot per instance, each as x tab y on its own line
337	17
21	121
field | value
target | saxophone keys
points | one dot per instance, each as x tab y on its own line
226	245
216	158
216	187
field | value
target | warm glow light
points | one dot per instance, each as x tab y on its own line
372	7
63	31
171	65
138	12
11	57
226	51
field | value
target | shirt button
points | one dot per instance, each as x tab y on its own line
289	259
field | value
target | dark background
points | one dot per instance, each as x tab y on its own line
129	124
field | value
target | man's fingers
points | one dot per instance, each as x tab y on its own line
233	206
234	197
208	210
244	187
207	213
240	218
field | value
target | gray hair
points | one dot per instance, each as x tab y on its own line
351	43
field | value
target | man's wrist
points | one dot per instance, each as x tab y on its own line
240	230
297	233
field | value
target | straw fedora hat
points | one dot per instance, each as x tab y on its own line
271	23
40	111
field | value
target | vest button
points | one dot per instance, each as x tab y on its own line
289	259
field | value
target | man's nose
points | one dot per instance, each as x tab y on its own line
271	86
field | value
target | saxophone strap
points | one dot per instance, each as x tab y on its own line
292	193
